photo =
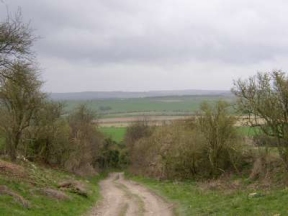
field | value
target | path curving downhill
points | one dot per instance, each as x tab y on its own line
123	197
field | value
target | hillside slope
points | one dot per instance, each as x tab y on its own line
28	189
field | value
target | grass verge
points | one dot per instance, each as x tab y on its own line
193	199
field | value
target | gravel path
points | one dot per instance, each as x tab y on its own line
122	197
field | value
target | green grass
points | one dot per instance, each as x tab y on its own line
164	105
192	200
248	131
29	189
115	133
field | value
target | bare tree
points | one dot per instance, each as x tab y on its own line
217	126
16	40
20	97
264	101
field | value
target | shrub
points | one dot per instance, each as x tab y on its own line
112	155
135	132
264	100
203	147
85	141
221	137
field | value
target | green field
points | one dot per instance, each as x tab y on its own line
170	105
193	199
115	133
248	131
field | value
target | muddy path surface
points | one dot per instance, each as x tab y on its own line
123	197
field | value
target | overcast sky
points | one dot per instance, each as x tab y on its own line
136	45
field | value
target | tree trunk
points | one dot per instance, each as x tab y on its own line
13	142
11	149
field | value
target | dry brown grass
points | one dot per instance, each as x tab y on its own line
13	170
223	184
159	120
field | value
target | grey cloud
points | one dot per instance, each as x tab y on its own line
109	31
234	34
172	48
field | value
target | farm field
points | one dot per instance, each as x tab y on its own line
115	133
248	131
168	105
126	121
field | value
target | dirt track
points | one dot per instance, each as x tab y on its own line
123	197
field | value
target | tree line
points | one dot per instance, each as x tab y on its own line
209	144
33	126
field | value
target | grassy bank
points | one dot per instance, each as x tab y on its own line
193	198
28	189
